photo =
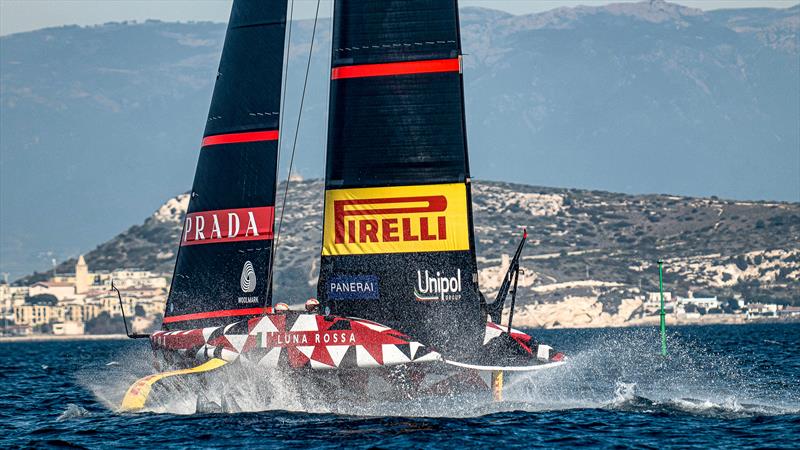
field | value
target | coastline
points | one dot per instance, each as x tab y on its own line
51	337
589	312
654	321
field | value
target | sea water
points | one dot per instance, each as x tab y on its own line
719	386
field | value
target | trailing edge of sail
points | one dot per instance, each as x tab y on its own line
398	245
224	255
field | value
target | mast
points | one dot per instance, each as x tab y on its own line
225	249
398	245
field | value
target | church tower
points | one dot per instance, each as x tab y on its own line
82	278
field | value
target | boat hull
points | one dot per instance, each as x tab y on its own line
325	342
326	360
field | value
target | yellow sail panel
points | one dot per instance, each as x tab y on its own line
137	394
400	219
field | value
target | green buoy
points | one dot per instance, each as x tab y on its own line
663	313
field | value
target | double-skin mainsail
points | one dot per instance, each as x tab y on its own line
398	245
226	245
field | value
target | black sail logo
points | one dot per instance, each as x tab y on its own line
248	279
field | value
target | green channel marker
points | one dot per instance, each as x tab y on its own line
663	313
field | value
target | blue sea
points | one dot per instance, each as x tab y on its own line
719	387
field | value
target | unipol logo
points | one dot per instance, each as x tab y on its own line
229	225
431	287
248	279
396	219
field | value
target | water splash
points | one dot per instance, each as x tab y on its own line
623	393
72	411
617	370
620	369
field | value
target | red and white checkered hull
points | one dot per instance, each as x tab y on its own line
295	341
318	342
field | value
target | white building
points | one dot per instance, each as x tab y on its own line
755	310
18	295
58	289
5	296
652	303
134	278
790	311
67	328
705	303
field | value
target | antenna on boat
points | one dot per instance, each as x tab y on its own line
495	309
663	313
516	270
124	319
497	375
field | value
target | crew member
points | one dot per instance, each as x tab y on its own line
281	308
312	306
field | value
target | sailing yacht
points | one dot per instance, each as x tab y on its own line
399	300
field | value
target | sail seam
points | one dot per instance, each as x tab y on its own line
401	44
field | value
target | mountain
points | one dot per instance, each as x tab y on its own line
100	124
581	243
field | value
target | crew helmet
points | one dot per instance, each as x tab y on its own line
281	307
312	305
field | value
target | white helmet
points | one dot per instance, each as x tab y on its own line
312	304
281	307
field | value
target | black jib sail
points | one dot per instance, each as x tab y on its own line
224	256
398	245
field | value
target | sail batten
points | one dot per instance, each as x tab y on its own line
226	245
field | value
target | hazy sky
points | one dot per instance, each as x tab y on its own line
26	15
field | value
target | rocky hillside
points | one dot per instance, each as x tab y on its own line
582	244
100	124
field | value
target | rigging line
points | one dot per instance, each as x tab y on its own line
294	147
280	131
282	110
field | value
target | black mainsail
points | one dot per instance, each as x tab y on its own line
225	250
398	246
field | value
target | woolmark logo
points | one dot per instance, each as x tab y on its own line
396	219
228	225
248	279
355	287
432	287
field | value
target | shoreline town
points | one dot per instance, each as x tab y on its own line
81	305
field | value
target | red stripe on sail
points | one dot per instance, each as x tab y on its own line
398	68
236	138
213	314
228	225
